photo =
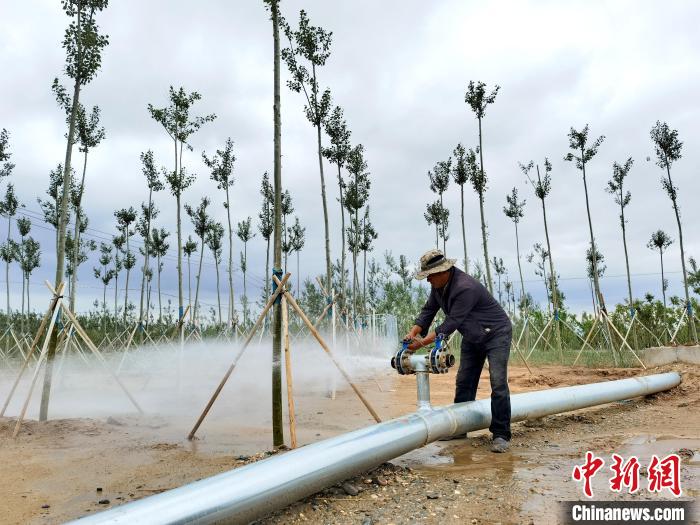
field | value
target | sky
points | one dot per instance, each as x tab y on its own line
400	71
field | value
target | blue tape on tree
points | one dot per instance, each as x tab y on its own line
556	315
277	272
689	307
632	312
181	312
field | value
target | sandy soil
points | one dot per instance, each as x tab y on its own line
67	468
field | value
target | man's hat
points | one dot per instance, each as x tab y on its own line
433	261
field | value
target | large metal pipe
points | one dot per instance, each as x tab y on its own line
250	492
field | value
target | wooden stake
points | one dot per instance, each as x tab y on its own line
540	337
624	341
288	371
320	340
585	342
270	302
42	355
47	316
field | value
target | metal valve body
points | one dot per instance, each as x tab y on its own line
437	361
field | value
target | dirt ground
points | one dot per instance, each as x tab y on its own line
67	468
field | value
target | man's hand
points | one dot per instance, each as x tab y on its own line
416	343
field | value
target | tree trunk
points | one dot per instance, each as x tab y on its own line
61	227
267	270
147	249
189	280
329	281
277	429
364	281
444	231
181	310
484	242
76	236
552	276
160	304
199	277
481	206
245	288
594	257
663	280
691	319
116	292
104	307
342	237
231	297
520	269
218	294
627	266
298	277
128	271
464	231
7	269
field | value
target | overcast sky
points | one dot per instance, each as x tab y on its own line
400	71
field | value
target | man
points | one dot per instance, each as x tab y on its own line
486	333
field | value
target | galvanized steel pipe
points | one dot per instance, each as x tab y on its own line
250	492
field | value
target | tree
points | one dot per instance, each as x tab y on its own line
221	166
159	246
660	240
478	179
277	432
312	44
8	208
369	235
266	224
118	241
434	214
81	248
201	222
478	100
297	240
28	255
90	134
188	249
595	267
514	211
439	181
245	233
175	119
668	150
542	187
125	218
83	45
356	197
148	213
50	207
578	142
6	166
622	199
500	269
461	176
214	236
337	154
105	276
542	255
287	209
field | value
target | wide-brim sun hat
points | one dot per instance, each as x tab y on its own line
433	261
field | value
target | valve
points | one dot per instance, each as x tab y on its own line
438	361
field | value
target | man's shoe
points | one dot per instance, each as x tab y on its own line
499	445
456	436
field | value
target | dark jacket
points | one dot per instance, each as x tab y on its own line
468	307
